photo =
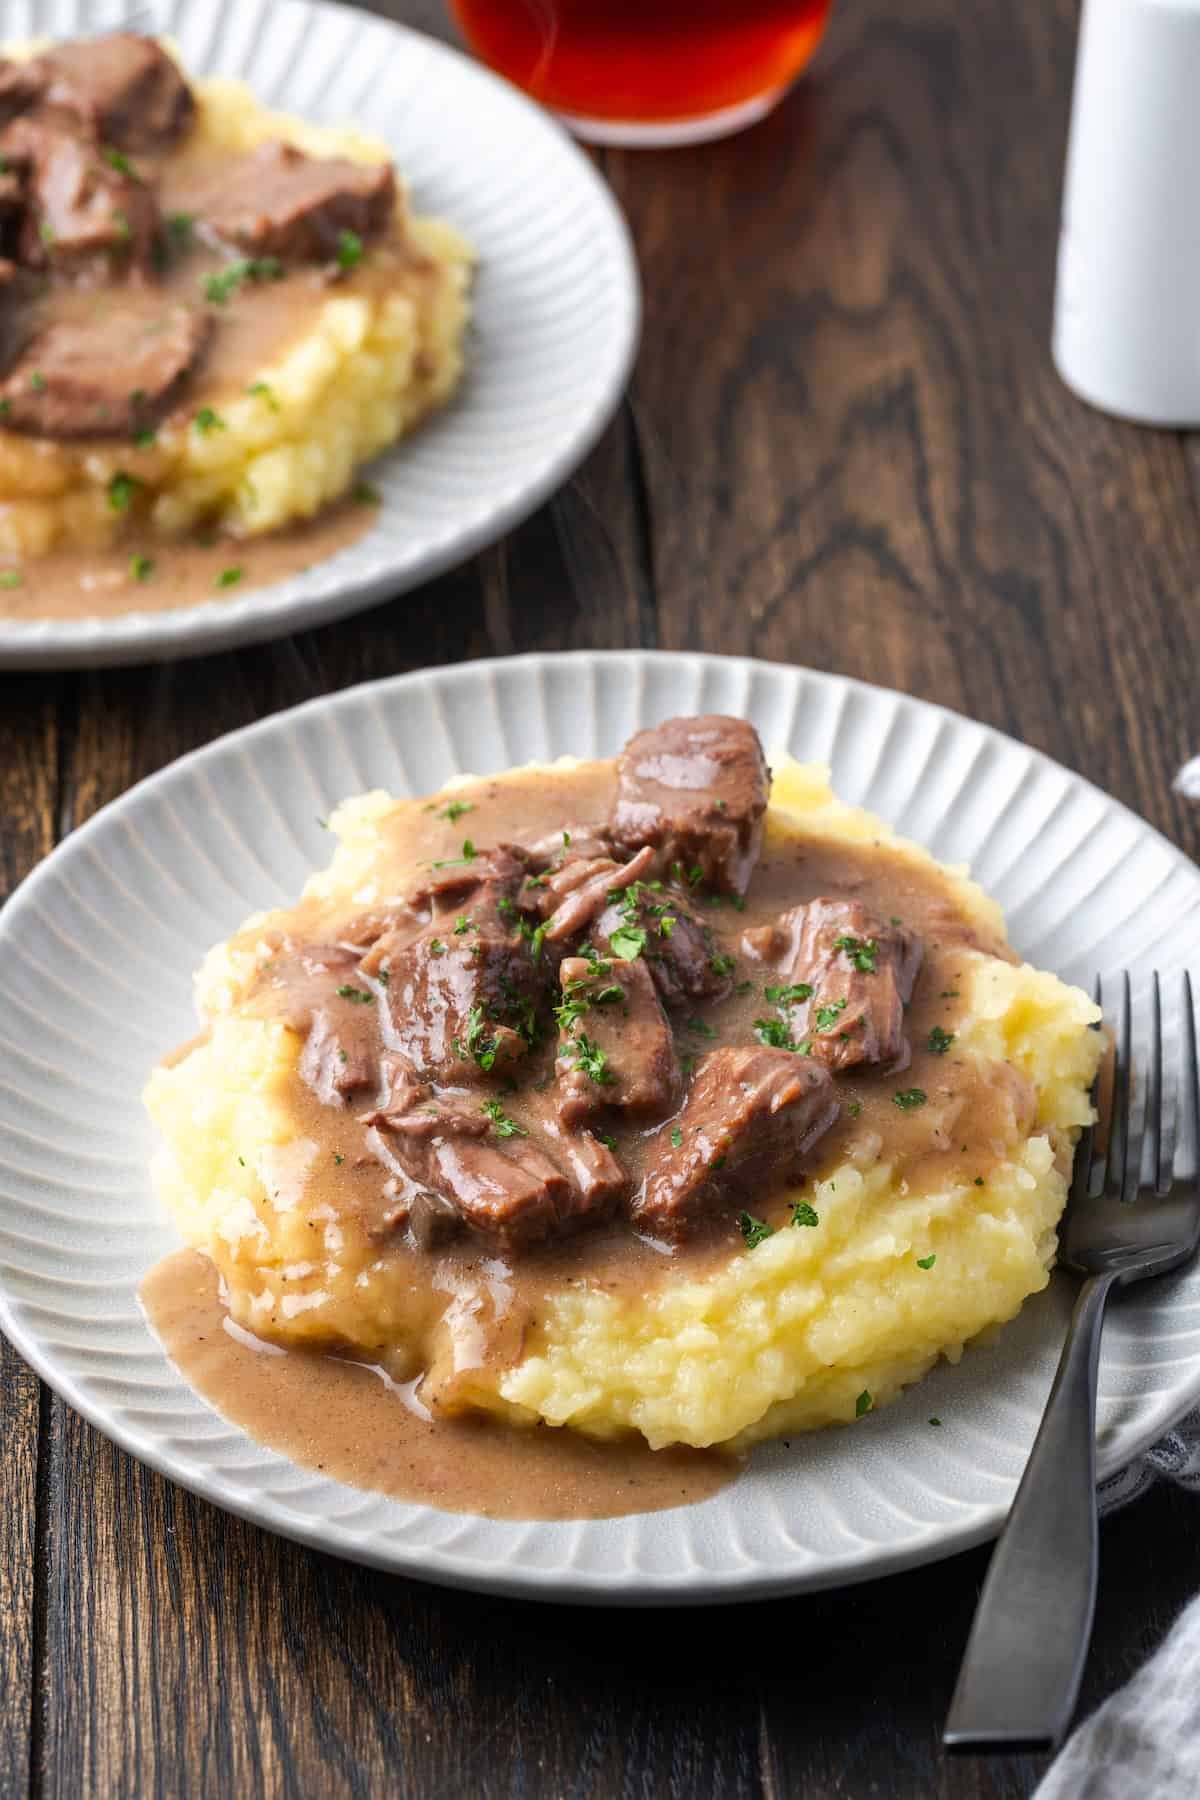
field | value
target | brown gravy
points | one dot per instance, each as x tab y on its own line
72	584
350	1422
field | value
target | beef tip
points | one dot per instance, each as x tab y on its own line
577	893
683	954
445	890
614	1047
82	217
276	201
749	1118
462	995
845	978
122	90
509	1188
316	990
110	376
695	789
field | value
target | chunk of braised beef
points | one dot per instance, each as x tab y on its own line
513	1189
615	1047
657	921
573	896
750	1117
123	90
109	376
696	790
81	216
278	201
21	87
462	996
316	989
845	977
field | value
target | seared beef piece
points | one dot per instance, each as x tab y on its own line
854	976
276	201
450	888
575	895
696	789
462	995
122	91
82	217
111	376
683	954
587	841
507	1188
749	1118
341	1054
614	1047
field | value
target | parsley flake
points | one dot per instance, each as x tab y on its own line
456	809
627	942
121	490
206	420
803	1213
10	578
940	1041
141	567
349	249
861	953
863	1404
229	577
926	1262
502	1124
908	1099
788	996
754	1230
827	1016
677	1137
360	996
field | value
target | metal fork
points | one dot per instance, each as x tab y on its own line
1133	1211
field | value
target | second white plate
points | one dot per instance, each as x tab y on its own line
556	303
96	954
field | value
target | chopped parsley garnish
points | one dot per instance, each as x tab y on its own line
230	577
122	165
360	996
121	490
456	809
720	964
775	1033
935	1421
37	382
338	1158
593	956
478	1045
853	1108
860	952
788	996
437	948
219	288
462	924
979	1181
47	233
141	567
940	1041
744	987
863	1404
753	1230
262	390
349	249
677	1137
145	438
607	1139
827	1016
241	1162
10	578
502	1125
700	1026
948	994
627	942
591	1059
908	1099
926	1262
566	840
468	855
206	420
179	229
363	494
803	1213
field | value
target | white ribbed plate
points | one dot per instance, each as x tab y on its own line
96	954
556	303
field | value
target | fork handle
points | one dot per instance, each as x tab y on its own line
1020	1677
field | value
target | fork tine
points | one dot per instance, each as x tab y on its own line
1085	1150
1118	1164
1187	1145
1150	1163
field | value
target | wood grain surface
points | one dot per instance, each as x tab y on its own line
845	446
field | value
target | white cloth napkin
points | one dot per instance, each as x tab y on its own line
1144	1742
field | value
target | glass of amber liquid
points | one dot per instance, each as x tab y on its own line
648	72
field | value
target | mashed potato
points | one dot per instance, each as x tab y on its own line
808	1328
368	366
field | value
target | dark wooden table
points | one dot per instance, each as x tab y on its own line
845	446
